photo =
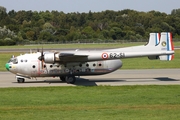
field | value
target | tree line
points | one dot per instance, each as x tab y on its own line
19	27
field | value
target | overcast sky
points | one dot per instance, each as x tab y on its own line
68	6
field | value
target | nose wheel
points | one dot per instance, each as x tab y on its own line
20	80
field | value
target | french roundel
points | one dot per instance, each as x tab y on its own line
104	56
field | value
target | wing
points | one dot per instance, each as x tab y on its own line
72	57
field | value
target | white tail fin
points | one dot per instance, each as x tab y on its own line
154	39
166	44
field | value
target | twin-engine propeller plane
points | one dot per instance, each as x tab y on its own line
68	64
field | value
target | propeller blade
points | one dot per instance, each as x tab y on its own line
42	64
42	59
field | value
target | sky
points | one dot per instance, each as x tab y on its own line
68	6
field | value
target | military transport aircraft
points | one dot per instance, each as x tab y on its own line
68	64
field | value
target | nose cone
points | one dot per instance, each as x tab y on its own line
7	66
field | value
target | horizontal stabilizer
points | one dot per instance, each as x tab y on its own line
166	57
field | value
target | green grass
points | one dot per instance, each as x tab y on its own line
130	63
87	103
78	46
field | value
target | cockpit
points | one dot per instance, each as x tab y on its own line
13	60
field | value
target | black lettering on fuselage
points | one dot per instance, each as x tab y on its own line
117	55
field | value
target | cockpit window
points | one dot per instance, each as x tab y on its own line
15	61
10	61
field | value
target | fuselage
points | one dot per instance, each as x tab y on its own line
28	65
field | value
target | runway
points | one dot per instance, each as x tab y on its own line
117	78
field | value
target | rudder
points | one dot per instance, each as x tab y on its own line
166	44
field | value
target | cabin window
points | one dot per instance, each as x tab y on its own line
51	66
33	66
87	65
94	64
100	64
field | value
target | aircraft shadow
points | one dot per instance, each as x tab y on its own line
79	82
166	79
87	82
93	82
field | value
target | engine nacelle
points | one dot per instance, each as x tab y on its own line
49	58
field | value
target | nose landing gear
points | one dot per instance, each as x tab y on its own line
20	80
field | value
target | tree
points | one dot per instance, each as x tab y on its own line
175	12
2	9
30	35
58	26
46	36
12	13
82	19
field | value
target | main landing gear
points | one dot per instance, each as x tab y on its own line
69	79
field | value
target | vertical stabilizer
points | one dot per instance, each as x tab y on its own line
166	44
154	39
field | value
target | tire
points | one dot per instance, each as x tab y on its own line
20	80
70	79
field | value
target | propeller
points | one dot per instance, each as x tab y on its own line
41	58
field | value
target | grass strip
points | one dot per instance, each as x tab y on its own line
85	103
